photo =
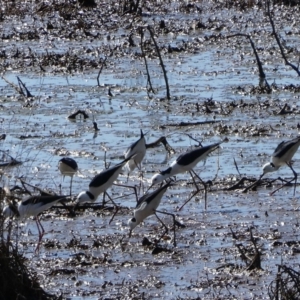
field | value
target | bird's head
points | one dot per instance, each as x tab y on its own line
269	167
157	178
84	197
132	223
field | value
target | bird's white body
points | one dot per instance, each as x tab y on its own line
282	155
32	206
139	149
68	166
146	206
185	162
101	182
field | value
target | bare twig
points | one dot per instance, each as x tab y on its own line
22	86
278	41
161	62
236	166
162	140
150	89
99	73
262	75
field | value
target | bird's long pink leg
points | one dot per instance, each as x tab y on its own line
197	190
41	233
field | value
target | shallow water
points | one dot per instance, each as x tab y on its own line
191	269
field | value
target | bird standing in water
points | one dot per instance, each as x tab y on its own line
32	207
68	167
185	163
147	206
283	155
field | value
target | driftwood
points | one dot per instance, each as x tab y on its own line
161	140
182	124
78	112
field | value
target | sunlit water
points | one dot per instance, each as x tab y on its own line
202	245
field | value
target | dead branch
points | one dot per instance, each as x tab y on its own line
236	167
22	86
262	75
256	262
103	64
278	41
161	140
12	85
11	163
182	124
78	112
237	186
285	110
160	61
150	89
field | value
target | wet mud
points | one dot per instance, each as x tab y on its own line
81	80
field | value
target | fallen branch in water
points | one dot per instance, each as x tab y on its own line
189	123
78	112
161	140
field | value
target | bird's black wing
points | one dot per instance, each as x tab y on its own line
284	147
135	143
104	176
70	162
190	156
149	197
167	171
43	200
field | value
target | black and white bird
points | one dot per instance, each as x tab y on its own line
139	149
101	182
32	207
68	167
185	162
283	155
147	206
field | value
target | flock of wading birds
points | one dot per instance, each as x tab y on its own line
147	205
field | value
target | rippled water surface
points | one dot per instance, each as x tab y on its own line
101	259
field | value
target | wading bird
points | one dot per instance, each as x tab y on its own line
68	167
32	207
283	155
139	149
185	163
147	206
100	183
